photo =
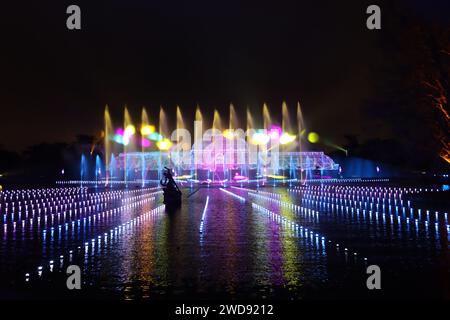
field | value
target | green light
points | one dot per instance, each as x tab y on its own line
313	137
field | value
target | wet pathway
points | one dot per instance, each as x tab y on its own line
235	243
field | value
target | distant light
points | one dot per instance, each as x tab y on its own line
229	134
155	136
277	177
313	137
118	138
287	138
260	138
129	131
239	177
275	132
147	130
145	143
164	144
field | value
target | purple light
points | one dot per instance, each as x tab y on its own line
120	132
145	143
238	177
275	132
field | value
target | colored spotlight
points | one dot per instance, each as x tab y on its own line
229	134
287	138
276	177
260	138
129	130
275	132
313	137
147	130
145	143
155	136
118	138
164	144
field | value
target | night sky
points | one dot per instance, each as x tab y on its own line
55	82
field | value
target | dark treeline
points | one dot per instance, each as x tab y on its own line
45	163
393	152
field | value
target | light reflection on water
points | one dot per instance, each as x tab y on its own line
240	252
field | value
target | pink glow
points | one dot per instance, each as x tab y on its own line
239	177
275	132
145	143
119	132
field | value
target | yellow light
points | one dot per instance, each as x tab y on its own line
183	177
229	134
164	144
313	137
287	138
260	138
129	130
147	130
276	177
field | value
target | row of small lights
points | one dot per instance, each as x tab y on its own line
285	220
39	193
87	210
100	182
308	213
339	198
354	192
56	200
299	229
329	198
277	196
203	218
346	180
383	214
406	219
242	199
51	204
376	212
315	195
94	217
114	231
367	189
289	205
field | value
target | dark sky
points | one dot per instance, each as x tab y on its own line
55	82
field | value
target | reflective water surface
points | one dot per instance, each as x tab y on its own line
286	243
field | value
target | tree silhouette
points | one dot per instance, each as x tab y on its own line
413	94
